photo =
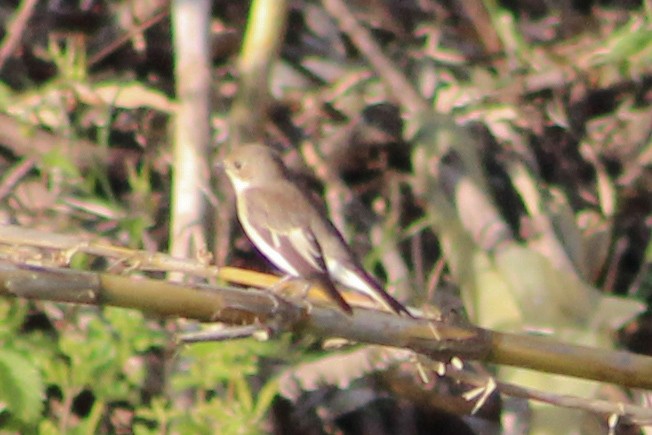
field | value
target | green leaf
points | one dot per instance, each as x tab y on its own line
47	427
57	159
131	95
243	394
12	313
266	396
22	387
625	43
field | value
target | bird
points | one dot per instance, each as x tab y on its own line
291	230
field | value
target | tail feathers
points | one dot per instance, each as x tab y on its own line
389	302
328	286
352	275
377	292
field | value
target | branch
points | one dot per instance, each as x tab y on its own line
235	306
26	272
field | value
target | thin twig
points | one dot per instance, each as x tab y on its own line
399	85
106	51
15	30
14	174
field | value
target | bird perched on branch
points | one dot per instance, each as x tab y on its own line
291	231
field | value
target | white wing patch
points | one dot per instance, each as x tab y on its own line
270	252
348	277
276	240
344	275
305	245
291	252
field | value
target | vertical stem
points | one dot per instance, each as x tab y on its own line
190	25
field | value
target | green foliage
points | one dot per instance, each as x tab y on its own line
519	83
218	378
22	387
70	59
58	161
239	411
13	315
213	364
104	355
633	41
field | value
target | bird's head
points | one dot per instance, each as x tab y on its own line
253	165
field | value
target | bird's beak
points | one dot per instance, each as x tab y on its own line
219	165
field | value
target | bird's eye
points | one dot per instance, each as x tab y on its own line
237	164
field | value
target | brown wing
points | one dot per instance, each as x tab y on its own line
348	271
296	240
285	238
281	234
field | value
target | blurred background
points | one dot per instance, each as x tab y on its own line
486	159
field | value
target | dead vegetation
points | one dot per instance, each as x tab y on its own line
488	160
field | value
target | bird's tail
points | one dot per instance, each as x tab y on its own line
327	285
377	292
